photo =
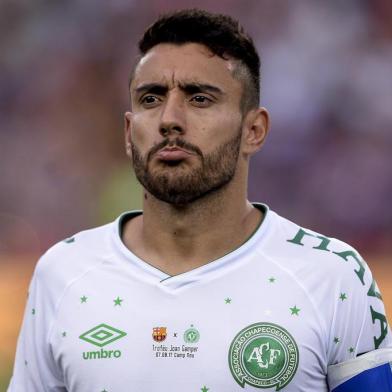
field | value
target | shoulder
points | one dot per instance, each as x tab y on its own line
300	248
331	271
337	279
72	257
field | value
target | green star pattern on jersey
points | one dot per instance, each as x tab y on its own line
343	296
295	310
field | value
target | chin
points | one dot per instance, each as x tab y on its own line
178	199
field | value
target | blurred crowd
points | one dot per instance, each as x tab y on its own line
326	80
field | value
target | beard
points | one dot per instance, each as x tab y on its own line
175	184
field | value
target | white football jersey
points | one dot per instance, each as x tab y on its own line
274	313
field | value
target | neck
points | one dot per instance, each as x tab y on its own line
179	238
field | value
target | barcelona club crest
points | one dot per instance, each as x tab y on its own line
159	334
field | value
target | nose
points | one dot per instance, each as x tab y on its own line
172	115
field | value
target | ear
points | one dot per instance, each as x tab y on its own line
127	132
256	127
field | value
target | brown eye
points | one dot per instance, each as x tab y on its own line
201	100
149	99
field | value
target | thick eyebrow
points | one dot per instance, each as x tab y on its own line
193	88
189	88
154	88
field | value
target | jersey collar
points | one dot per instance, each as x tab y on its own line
147	272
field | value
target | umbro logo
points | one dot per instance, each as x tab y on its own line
101	336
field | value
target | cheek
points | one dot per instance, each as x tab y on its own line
215	129
142	132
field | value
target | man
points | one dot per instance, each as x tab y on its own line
202	291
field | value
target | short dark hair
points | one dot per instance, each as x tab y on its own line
221	34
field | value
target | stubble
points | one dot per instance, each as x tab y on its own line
177	184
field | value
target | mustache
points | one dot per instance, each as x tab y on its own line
174	143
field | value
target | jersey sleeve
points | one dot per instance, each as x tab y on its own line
360	323
34	368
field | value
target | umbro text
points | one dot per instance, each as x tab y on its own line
102	354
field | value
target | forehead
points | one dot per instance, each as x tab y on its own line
175	64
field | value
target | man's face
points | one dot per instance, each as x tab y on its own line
186	122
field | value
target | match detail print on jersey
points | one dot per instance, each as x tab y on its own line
174	346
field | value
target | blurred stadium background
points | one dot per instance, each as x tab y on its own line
327	164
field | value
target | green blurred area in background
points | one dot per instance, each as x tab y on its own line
5	374
122	192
